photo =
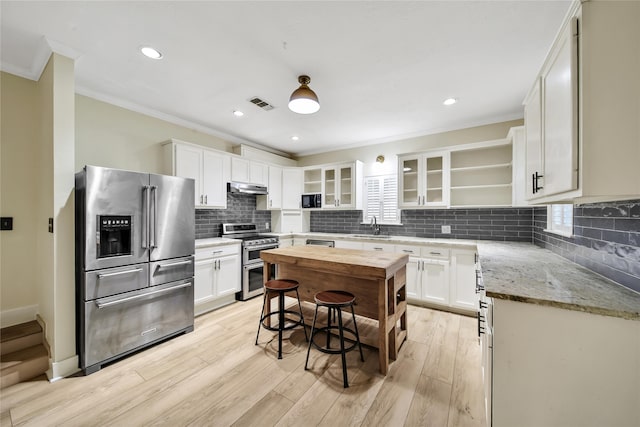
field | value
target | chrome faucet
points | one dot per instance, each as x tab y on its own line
375	226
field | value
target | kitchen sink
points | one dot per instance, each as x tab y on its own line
370	236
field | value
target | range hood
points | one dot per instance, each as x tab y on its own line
243	187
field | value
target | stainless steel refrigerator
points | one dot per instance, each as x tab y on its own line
135	244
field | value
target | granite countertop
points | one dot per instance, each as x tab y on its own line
527	273
513	271
215	241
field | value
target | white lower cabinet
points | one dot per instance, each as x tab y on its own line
348	244
463	276
440	276
217	277
434	281
557	367
382	247
427	274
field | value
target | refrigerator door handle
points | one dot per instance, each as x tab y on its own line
153	230
145	217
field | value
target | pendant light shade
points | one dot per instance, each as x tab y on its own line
303	100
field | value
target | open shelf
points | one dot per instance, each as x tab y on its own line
475	168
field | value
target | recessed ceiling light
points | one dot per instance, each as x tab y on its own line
295	138
450	101
238	113
150	52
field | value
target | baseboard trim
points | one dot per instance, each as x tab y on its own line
62	369
15	316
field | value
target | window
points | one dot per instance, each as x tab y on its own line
381	199
560	219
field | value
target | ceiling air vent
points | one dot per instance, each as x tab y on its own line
262	104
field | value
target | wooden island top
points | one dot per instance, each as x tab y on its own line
377	279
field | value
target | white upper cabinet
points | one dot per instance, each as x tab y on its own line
551	116
209	168
272	200
341	184
215	175
245	170
517	138
560	114
423	180
292	182
275	187
581	116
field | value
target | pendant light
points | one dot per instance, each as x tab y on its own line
303	100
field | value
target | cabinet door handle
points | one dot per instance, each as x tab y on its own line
216	252
435	253
407	251
377	249
535	177
201	199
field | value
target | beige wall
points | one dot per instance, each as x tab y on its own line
19	182
111	136
390	150
62	211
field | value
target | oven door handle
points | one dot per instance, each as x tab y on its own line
135	297
261	247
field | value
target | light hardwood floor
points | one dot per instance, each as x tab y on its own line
216	376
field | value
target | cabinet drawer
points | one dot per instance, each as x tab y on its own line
383	247
408	249
217	251
435	252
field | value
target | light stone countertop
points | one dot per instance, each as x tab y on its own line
215	241
516	271
527	273
402	240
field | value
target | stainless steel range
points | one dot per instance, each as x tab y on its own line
252	265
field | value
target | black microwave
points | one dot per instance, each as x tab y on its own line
312	200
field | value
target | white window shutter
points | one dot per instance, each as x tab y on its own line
381	199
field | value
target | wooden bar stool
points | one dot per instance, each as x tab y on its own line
281	287
335	301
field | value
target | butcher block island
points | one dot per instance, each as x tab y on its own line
377	279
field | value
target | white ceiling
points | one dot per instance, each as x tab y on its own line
381	69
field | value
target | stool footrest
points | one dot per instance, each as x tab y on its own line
327	329
295	322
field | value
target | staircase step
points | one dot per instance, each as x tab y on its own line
17	337
23	365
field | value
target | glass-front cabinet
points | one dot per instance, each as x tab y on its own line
424	180
339	186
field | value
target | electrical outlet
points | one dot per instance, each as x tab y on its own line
446	229
266	225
